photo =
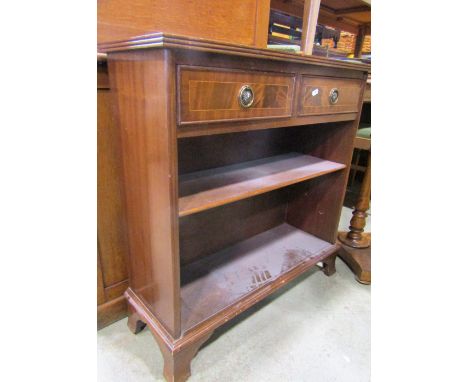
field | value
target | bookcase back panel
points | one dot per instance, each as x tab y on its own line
207	232
315	207
201	153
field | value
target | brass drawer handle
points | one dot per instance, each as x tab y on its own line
246	96
333	97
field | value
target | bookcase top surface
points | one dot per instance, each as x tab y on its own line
167	40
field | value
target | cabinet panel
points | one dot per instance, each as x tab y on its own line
112	237
111	229
316	95
208	95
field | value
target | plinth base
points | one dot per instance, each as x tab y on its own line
358	259
363	242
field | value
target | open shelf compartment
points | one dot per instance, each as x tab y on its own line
216	282
211	188
256	209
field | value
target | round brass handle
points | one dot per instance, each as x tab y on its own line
246	96
333	97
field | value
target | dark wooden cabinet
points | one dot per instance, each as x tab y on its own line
235	164
112	238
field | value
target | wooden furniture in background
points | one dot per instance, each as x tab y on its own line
355	238
352	16
345	15
356	245
235	167
309	25
236	21
362	144
112	238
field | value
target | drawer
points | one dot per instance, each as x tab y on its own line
315	95
209	95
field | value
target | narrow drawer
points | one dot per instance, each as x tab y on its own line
209	95
319	95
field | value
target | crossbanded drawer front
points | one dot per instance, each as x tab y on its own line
209	95
320	95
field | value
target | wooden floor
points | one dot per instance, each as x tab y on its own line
219	280
206	189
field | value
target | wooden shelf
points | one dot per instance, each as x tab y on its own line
253	267
206	189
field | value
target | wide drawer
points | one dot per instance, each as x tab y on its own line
319	95
209	95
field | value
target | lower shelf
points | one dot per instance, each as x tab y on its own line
219	281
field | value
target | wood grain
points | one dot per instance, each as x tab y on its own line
262	23
212	95
252	125
218	150
234	21
161	40
242	269
206	189
145	96
355	236
111	216
117	290
111	227
315	91
230	224
111	311
309	24
358	259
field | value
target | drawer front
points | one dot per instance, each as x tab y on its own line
209	95
316	91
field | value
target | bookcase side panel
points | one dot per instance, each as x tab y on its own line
143	83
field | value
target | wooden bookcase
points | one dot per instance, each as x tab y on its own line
235	165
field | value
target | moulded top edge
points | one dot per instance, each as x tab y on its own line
166	40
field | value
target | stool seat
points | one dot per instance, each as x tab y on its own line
364	132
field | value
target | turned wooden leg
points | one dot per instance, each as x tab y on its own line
355	250
355	238
177	362
134	323
329	265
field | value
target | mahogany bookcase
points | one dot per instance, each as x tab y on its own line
235	163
